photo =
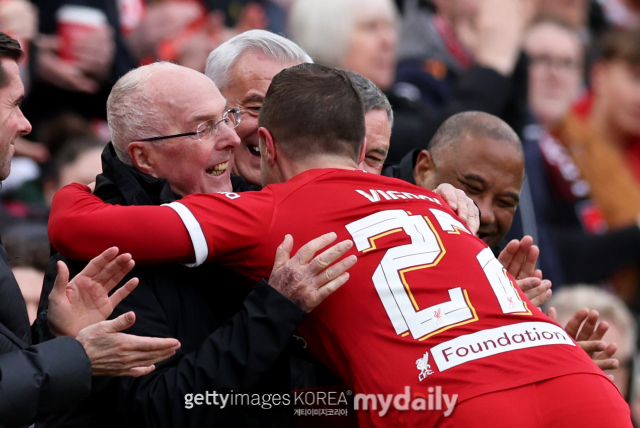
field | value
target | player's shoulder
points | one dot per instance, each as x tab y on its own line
377	188
235	198
348	180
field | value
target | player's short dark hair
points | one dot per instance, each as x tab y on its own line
9	48
473	124
622	45
311	110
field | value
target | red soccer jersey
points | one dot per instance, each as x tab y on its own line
427	304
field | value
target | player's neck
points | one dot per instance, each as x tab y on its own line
292	168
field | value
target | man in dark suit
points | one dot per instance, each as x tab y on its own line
39	379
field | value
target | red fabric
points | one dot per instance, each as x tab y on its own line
554	403
583	106
81	227
353	333
452	43
632	155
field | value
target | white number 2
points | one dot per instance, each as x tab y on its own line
425	251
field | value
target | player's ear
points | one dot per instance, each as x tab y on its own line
267	145
363	151
140	153
424	171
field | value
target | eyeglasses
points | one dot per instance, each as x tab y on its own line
209	128
560	63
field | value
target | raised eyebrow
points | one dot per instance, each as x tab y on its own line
253	98
474	177
514	196
200	119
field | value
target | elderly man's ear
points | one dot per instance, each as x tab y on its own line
424	171
142	156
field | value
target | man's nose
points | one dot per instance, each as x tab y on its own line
24	127
486	212
228	138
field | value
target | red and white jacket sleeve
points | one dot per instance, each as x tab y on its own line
81	226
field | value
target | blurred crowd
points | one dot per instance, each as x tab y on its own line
564	74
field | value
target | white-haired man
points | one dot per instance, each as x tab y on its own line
242	68
173	135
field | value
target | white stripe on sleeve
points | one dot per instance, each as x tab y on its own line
198	240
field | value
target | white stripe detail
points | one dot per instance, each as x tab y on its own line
198	239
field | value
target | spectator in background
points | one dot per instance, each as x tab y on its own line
463	56
27	247
556	67
19	19
574	13
185	32
358	35
612	310
556	63
81	82
77	162
622	13
594	172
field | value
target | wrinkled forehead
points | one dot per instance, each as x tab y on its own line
182	93
486	157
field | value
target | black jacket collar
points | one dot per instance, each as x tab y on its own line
403	170
125	185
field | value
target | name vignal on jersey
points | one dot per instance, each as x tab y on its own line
373	195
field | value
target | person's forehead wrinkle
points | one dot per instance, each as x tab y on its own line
198	116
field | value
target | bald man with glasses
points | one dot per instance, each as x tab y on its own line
173	135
